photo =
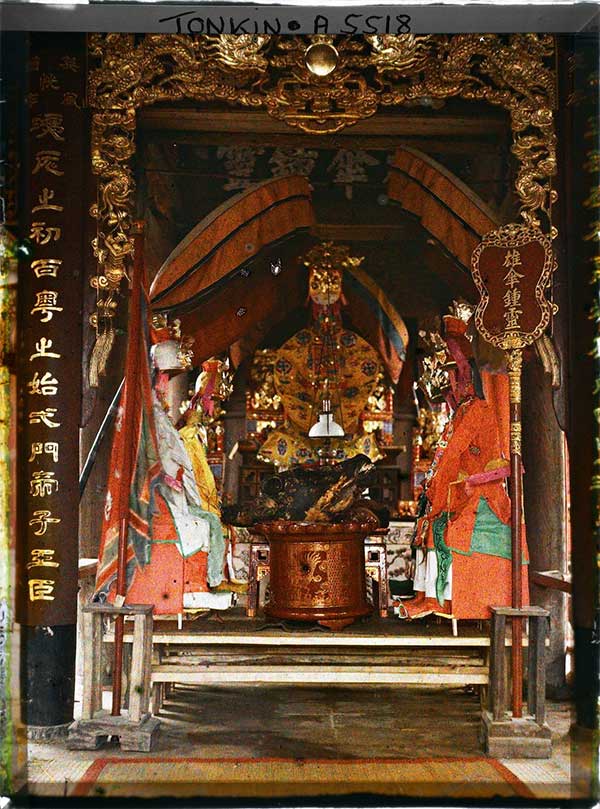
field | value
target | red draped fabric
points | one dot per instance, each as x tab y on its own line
134	463
218	280
446	207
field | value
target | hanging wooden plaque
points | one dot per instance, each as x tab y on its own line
512	268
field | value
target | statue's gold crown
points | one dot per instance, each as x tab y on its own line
326	263
331	256
434	380
461	309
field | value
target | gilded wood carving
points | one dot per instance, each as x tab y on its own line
318	84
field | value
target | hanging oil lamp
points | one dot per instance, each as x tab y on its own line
326	426
325	291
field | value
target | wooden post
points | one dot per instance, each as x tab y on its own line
135	325
92	666
48	353
515	361
498	666
141	662
536	677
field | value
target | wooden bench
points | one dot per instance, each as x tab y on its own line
528	735
235	651
135	728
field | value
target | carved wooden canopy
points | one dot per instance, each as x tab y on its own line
318	84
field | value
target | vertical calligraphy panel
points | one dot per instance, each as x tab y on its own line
50	295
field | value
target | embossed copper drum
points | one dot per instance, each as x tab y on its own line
317	572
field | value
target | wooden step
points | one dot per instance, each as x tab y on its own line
336	675
183	638
189	656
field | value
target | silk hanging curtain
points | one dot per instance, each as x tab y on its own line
375	316
218	280
445	206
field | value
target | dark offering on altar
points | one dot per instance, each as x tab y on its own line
316	521
331	493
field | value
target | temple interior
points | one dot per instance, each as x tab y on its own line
186	176
315	518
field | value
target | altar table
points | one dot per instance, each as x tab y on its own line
234	650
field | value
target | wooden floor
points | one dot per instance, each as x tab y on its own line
326	722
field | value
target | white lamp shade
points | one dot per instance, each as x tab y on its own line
326	427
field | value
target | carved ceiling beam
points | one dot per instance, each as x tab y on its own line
317	84
439	124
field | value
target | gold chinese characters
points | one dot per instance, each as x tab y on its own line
48	132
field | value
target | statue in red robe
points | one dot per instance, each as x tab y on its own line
463	538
